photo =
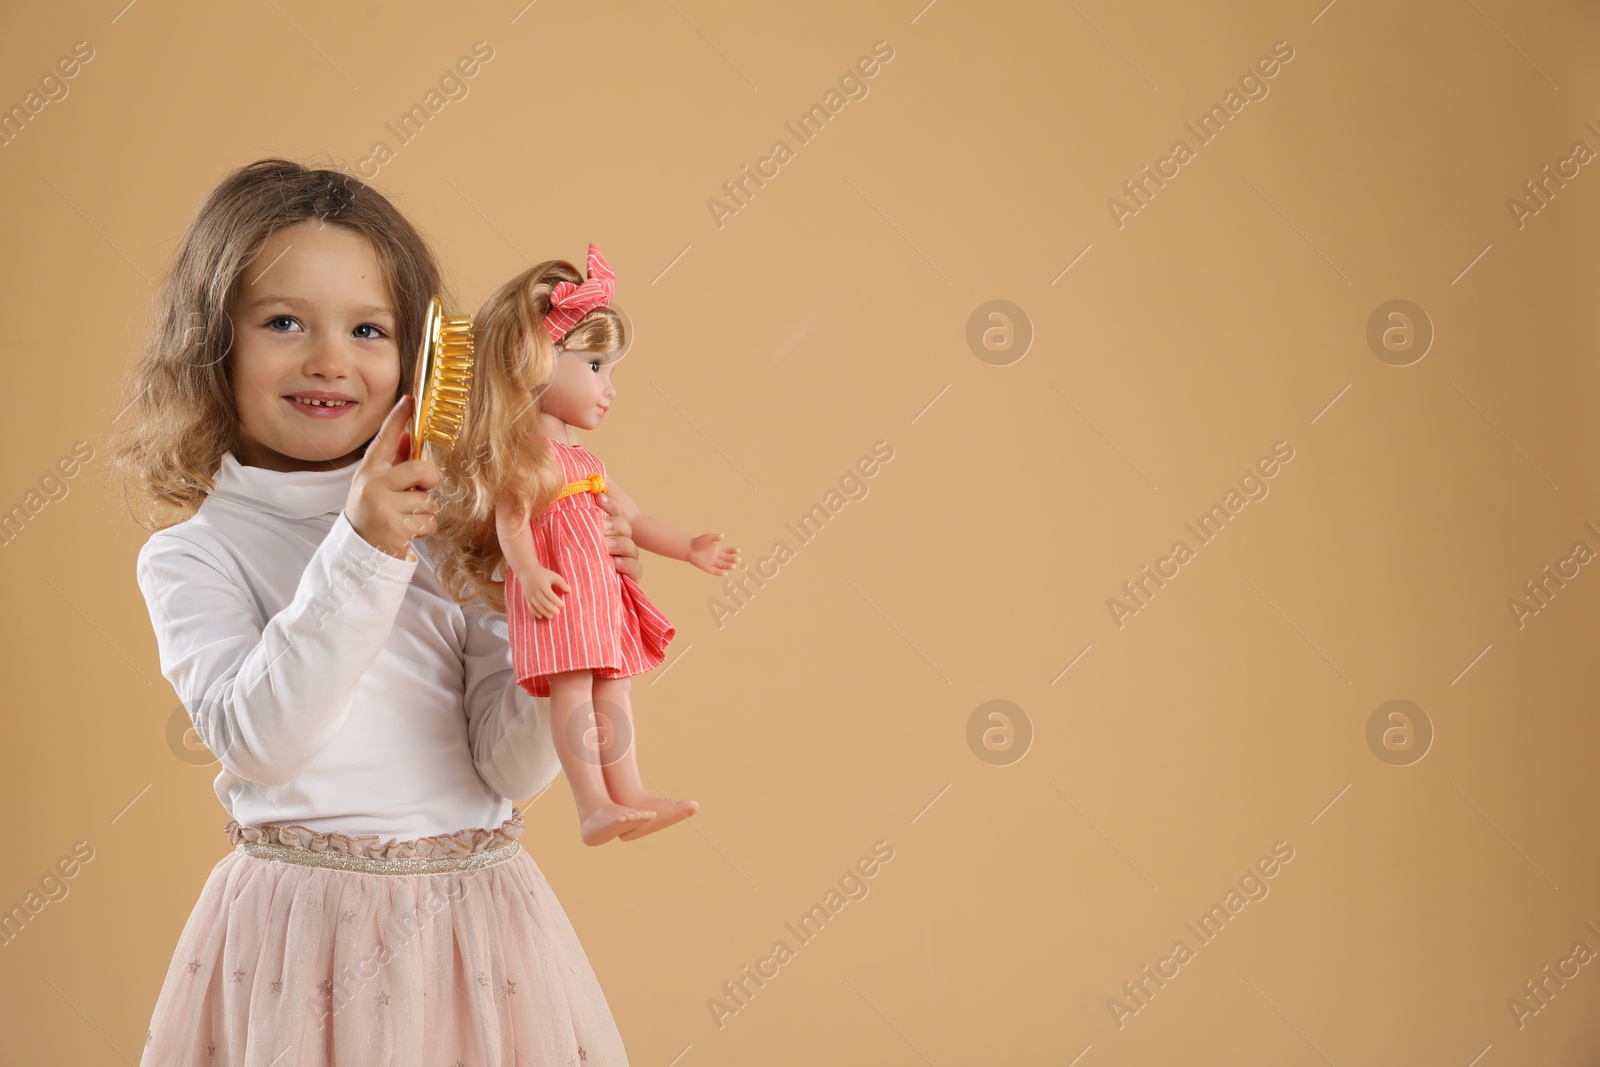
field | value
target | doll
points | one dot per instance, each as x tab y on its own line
546	347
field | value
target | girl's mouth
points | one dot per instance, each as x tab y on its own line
321	409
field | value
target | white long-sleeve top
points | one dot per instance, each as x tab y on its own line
341	688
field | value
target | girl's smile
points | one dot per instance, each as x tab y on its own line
319	404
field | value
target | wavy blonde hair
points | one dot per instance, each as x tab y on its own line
500	453
178	411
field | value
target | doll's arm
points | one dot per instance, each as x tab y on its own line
664	539
649	532
540	585
515	542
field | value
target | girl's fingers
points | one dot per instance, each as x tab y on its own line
411	475
382	453
420	501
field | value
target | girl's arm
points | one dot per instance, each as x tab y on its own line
267	695
664	539
507	730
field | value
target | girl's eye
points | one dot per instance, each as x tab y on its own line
370	326
595	365
272	323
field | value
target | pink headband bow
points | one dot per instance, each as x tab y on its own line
570	302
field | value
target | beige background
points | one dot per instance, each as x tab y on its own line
830	313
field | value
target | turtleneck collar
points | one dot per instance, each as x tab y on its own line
294	494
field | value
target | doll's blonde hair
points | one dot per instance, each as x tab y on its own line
178	411
500	452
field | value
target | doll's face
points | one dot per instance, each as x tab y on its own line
312	316
580	392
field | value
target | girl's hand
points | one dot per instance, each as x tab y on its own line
619	540
705	553
389	501
539	590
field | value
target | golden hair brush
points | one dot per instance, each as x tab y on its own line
443	379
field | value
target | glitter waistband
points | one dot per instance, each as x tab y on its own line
462	850
404	865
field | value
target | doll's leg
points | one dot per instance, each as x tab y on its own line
571	727
621	767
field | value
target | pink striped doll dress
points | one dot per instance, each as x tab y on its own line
606	624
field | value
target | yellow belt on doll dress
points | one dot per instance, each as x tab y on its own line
595	483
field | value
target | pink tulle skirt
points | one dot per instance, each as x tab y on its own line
312	949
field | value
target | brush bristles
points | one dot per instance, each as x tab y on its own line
452	381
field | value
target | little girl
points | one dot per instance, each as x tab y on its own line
377	907
544	353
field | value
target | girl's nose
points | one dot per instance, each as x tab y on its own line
326	357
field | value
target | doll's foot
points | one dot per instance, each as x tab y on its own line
665	812
609	820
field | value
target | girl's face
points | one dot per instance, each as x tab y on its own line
580	392
312	319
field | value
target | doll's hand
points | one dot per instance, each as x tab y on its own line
539	590
705	553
